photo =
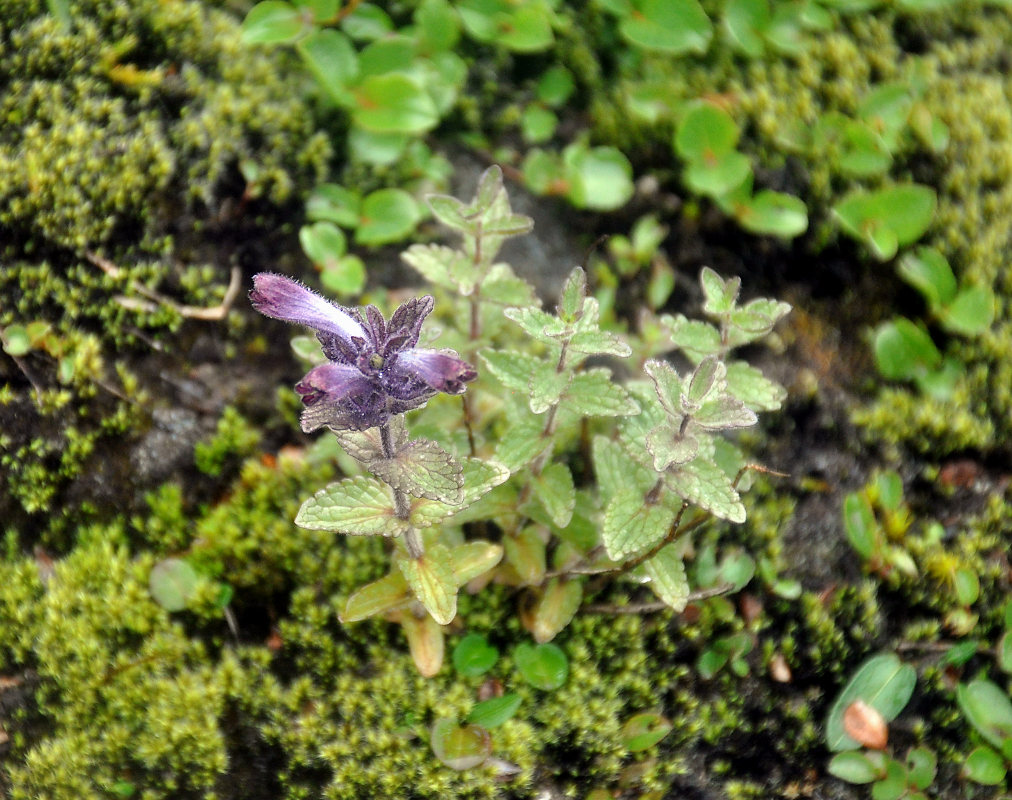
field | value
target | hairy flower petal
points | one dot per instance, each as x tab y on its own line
282	298
441	370
342	398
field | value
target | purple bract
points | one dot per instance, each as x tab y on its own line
374	369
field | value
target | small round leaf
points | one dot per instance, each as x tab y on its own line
460	747
474	656
543	666
172	583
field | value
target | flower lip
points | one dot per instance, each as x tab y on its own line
282	298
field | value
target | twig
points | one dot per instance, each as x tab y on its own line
213	313
650	608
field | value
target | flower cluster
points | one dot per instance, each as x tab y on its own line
374	369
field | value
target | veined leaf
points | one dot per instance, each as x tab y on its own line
504	287
667	577
472	559
546	386
696	338
432	580
668	447
597	342
366	446
720	294
631	526
668	385
358	506
704	483
443	266
479	477
387	593
573	295
707	381
616	470
521	444
536	323
555	610
426	642
554	488
422	469
753	388
724	413
592	393
513	369
525	552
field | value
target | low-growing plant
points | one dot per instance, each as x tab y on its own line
569	480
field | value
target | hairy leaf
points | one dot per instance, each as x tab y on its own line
554	488
592	393
358	506
432	580
479	478
753	388
631	525
546	386
597	342
616	470
667	577
387	593
555	610
443	266
422	469
697	339
472	559
574	292
504	287
721	295
521	444
668	385
511	368
536	323
704	483
724	413
668	447
366	446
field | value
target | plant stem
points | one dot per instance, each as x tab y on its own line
402	505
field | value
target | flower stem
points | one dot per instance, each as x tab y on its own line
402	505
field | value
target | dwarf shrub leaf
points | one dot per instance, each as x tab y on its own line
387	215
988	709
460	747
331	58
883	682
474	656
929	272
271	22
670	26
971	312
359	506
393	103
643	731
543	666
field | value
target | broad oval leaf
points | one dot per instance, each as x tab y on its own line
883	682
393	103
557	607
172	583
422	469
358	506
494	711
472	559
670	26
474	656
387	593
543	666
643	731
431	579
988	709
460	747
271	22
387	215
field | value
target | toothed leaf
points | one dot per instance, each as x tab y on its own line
753	388
667	577
720	294
616	470
432	580
546	386
572	297
592	393
479	478
705	484
697	339
707	379
667	447
422	469
359	506
443	266
631	525
724	413
536	323
596	342
554	488
668	385
512	369
521	444
504	287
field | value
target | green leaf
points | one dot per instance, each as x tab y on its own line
696	338
479	478
985	766
883	682
670	447
616	470
888	218
511	368
554	488
474	656
495	711
543	666
705	134
16	340
556	608
573	296
389	592
643	731
774	214
460	747
388	215
333	203
367	22
537	124
1004	649
525	552
346	277
928	271
631	525
323	242
724	413
668	386
555	86
393	103
359	506
599	178
422	469
546	386
667	577
432	581
471	559
704	483
522	27
904	350
172	583
720	295
330	56
379	149
443	266
669	26
988	709
537	324
860	525
853	767
522	444
599	343
745	21
503	287
438	26
971	312
271	22
592	393
753	388
921	766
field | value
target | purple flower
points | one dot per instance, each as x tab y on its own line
374	369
